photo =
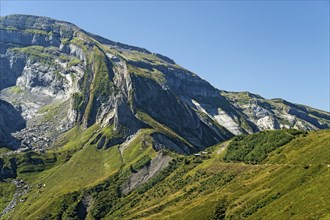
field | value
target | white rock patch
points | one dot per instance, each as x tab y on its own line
266	123
225	120
222	118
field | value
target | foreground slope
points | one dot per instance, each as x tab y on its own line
289	180
290	183
55	76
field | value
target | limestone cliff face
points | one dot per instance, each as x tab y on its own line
165	107
55	76
37	78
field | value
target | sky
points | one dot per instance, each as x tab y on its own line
277	49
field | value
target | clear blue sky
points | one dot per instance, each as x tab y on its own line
272	48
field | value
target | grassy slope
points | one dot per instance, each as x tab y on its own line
7	190
290	183
80	165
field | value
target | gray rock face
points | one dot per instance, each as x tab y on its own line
34	88
35	80
7	171
33	30
26	39
142	175
11	121
277	113
55	76
124	119
12	66
166	108
162	141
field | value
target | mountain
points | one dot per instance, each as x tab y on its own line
56	75
91	129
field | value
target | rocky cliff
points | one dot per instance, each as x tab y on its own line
55	76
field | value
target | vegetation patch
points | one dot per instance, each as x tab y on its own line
16	90
142	162
65	41
102	85
74	62
255	148
31	162
38	53
152	74
7	190
8	28
51	110
63	58
80	43
36	31
159	127
78	101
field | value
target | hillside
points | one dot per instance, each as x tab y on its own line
289	182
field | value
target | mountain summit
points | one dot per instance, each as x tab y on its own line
55	76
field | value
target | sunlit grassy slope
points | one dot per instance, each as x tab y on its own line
287	181
290	183
78	165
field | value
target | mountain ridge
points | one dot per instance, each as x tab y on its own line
89	78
